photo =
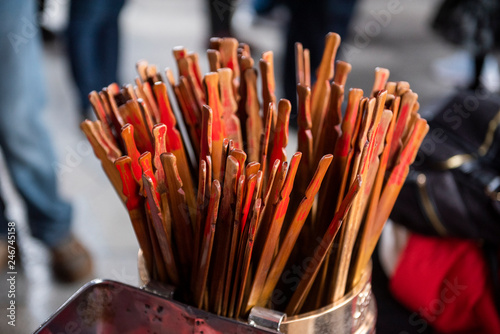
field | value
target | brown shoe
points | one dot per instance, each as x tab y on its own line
71	261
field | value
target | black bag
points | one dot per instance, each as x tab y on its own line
453	186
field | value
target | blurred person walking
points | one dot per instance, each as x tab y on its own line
26	144
309	23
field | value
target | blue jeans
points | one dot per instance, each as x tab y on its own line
24	138
92	39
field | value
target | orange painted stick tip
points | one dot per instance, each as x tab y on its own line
280	140
141	66
130	186
342	70
381	77
147	169
127	134
213	60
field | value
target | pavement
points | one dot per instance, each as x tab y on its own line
400	41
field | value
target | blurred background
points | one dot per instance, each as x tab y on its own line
403	42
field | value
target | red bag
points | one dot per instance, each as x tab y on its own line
446	282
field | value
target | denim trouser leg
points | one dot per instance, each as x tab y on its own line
3	218
92	39
310	22
23	137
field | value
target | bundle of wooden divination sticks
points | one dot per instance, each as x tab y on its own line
219	212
